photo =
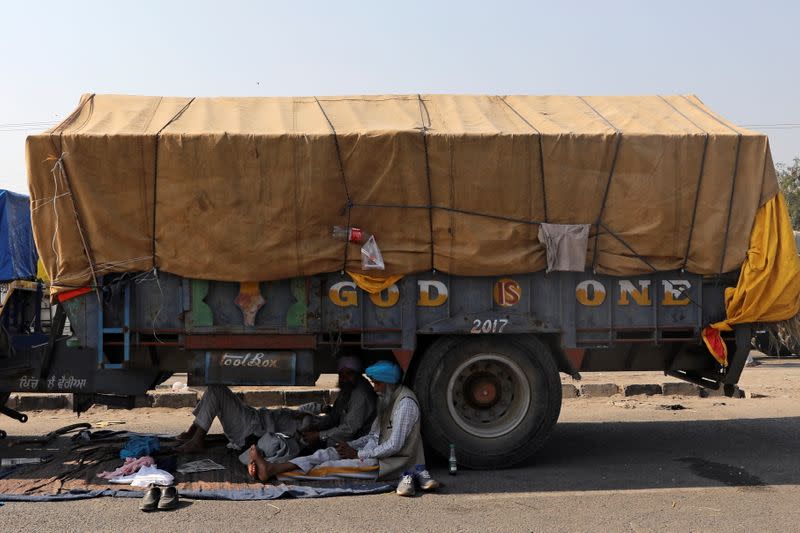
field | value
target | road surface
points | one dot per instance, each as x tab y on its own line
612	464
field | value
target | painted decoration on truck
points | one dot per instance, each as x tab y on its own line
676	291
388	297
201	312
507	292
431	293
639	294
250	367
249	300
592	293
297	313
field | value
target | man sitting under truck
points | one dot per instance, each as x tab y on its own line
393	445
350	416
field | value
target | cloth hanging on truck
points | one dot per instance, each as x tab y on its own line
373	284
565	245
768	289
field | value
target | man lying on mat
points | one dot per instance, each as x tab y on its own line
350	416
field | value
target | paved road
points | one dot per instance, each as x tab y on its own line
613	464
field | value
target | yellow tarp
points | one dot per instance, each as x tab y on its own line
768	289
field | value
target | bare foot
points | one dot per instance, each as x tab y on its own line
261	468
251	469
195	444
254	452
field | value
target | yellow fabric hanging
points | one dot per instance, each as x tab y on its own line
373	284
41	273
768	289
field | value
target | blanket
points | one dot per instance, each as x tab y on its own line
71	473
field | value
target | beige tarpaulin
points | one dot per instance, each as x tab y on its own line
247	189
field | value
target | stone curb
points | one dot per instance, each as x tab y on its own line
299	397
169	399
642	389
569	391
599	390
606	390
263	398
40	402
173	399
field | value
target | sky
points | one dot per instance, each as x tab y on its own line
738	57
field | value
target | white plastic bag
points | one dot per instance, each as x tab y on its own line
371	258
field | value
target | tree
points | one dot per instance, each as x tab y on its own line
789	181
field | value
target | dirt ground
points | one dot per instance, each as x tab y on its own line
615	464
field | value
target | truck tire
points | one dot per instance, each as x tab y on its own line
496	399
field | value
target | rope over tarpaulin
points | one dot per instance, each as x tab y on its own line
541	153
699	179
599	221
348	205
425	125
175	117
735	173
59	173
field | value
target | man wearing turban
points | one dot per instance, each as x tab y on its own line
393	443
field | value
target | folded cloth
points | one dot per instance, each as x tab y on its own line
139	446
130	466
145	476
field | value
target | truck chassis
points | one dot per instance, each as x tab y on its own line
482	353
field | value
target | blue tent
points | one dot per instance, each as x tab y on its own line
18	255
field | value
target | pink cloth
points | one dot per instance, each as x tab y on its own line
130	466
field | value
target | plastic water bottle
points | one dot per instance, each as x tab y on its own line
452	460
351	234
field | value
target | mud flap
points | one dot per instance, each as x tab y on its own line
743	337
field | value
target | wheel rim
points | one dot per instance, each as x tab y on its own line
488	395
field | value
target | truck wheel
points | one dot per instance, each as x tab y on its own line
496	399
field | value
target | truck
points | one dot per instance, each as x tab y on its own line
194	235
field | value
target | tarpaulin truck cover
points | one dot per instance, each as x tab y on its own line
17	251
248	189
